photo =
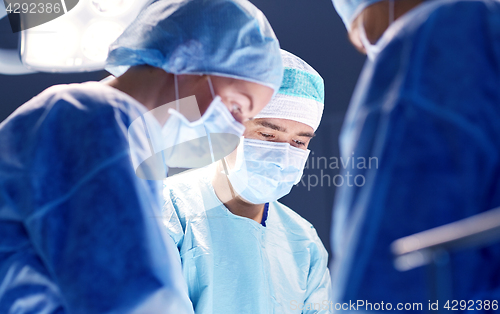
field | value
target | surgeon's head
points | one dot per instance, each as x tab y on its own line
226	43
222	52
367	20
271	157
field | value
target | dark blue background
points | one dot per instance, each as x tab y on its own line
312	30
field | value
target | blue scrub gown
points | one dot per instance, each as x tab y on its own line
79	231
428	110
233	264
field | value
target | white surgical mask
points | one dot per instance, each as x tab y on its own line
181	143
204	141
372	50
266	171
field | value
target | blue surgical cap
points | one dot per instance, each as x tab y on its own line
350	9
230	38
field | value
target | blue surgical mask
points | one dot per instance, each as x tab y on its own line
204	141
266	171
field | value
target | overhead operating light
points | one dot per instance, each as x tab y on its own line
77	40
95	41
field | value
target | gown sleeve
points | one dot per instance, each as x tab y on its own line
96	225
171	218
319	280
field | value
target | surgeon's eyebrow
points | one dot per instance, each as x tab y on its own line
270	125
276	127
307	134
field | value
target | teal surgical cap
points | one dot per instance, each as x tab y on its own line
350	9
301	96
230	38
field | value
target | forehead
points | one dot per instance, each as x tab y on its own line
280	125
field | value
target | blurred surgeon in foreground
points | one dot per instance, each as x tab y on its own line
242	251
427	105
79	230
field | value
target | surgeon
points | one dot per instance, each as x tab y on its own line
242	251
427	107
79	227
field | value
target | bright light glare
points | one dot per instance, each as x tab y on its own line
111	7
98	37
79	40
52	43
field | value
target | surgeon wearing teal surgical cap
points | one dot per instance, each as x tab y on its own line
243	251
426	107
79	226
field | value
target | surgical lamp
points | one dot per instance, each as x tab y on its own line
75	41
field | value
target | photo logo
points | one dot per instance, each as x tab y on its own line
25	14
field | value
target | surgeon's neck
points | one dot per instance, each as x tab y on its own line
151	86
234	203
376	20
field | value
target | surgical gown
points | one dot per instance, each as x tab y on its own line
79	231
427	113
233	264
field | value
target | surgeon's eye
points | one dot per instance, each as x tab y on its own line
299	143
235	108
266	135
